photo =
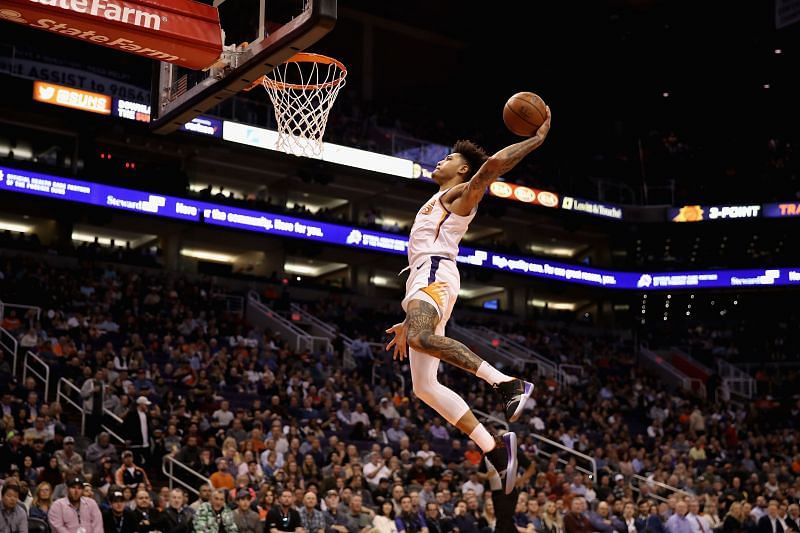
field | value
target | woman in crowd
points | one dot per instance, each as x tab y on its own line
42	499
552	521
734	520
488	520
384	520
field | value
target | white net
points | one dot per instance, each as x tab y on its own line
302	91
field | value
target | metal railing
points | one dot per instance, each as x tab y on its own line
109	413
318	327
233	302
7	305
669	374
261	315
10	345
736	380
486	417
43	373
589	464
545	367
61	394
479	343
569	374
636	482
168	465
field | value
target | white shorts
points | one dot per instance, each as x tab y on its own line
435	279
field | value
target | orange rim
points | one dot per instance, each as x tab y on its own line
304	57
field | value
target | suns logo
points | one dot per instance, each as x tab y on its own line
428	208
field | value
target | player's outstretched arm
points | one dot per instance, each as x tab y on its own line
500	163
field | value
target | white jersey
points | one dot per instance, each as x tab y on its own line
436	231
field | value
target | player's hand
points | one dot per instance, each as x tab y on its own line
399	341
544	129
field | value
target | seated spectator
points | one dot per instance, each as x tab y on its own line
222	478
68	459
177	517
283	517
311	518
145	515
203	496
357	518
246	520
575	521
12	515
603	521
102	448
42	500
384	521
408	520
75	511
130	475
465	521
118	518
213	515
678	522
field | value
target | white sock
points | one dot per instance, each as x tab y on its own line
483	438
491	375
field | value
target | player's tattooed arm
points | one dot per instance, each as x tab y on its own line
422	319
503	161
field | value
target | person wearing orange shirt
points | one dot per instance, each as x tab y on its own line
222	479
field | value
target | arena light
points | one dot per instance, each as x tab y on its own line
7	225
311	268
208	255
556	306
100	239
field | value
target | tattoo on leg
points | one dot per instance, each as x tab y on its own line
422	320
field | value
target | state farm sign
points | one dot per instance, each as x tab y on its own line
183	32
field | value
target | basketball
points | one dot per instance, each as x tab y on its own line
524	113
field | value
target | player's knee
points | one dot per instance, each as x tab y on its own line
422	390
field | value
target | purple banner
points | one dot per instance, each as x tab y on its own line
38	184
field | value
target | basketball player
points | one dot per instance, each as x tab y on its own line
432	288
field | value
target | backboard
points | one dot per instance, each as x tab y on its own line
258	36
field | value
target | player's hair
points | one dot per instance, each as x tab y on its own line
473	154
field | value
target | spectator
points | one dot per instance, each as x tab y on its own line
145	516
102	448
552	521
771	522
434	519
68	459
12	515
356	518
463	519
118	518
408	520
375	470
629	519
575	521
246	520
334	519
602	520
42	500
92	393
473	484
283	517
224	416
222	478
75	511
214	515
138	429
311	518
130	475
177	517
203	496
679	521
733	522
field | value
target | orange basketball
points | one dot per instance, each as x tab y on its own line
524	113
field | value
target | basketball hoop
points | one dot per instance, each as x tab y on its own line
302	91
